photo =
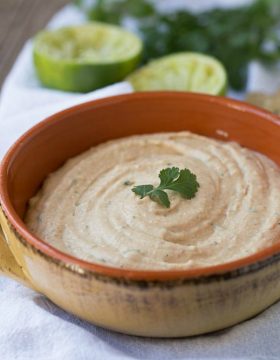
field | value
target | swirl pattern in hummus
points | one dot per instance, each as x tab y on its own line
87	208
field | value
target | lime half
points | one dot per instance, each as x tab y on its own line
85	57
182	72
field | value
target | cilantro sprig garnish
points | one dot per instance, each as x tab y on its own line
182	181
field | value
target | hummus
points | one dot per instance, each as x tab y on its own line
87	208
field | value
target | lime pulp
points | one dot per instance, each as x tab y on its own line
184	71
85	57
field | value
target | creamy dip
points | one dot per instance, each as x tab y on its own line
87	208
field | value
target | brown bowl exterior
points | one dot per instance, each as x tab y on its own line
146	303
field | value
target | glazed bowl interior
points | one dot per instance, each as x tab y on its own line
49	144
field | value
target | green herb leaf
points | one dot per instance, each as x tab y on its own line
168	175
182	181
160	197
186	184
142	190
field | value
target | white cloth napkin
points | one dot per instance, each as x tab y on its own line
31	327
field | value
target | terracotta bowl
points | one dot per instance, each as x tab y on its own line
147	303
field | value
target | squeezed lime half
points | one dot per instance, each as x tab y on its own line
184	71
85	57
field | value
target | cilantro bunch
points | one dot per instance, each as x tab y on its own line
234	36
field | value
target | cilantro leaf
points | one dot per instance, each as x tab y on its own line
160	197
168	175
142	190
182	181
186	184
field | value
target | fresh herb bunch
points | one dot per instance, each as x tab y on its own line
113	11
235	36
182	181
